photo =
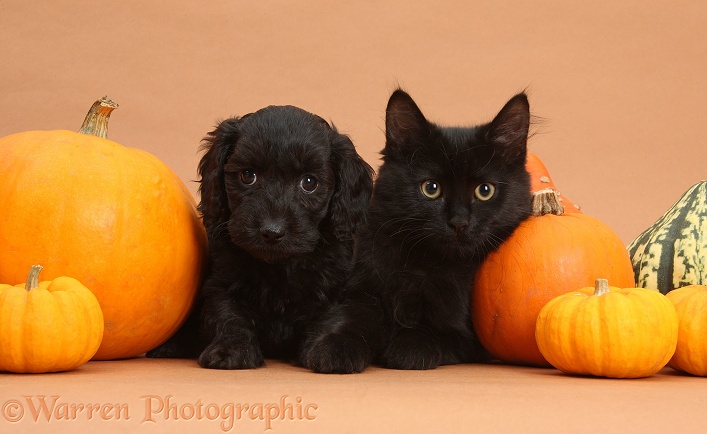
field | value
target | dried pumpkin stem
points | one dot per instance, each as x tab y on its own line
546	201
601	287
96	121
33	277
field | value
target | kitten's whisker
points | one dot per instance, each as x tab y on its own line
220	229
415	244
412	235
404	228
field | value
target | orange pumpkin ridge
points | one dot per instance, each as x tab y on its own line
115	218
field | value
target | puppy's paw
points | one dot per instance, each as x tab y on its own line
412	349
336	353
231	355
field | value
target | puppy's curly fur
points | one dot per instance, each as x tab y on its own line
282	194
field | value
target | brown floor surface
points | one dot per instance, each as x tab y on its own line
147	395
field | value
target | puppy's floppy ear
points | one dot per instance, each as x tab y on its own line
218	145
354	183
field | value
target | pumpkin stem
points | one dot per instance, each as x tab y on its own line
96	121
546	201
33	277
601	287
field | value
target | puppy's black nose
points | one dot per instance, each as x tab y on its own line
272	233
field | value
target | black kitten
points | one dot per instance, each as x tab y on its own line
444	198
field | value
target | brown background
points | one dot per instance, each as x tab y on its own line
620	87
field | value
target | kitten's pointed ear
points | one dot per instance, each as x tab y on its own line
404	121
509	129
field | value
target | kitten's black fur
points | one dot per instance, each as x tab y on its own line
407	302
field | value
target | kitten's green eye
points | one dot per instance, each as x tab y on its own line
431	189
484	191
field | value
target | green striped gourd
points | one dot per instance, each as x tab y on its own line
673	252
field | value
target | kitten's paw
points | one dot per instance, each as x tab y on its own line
231	355
336	353
412	349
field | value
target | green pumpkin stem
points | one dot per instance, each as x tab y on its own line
601	287
33	277
96	121
546	201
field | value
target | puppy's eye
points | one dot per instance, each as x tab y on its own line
431	189
248	177
484	191
308	183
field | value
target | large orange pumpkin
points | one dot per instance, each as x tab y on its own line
115	218
547	255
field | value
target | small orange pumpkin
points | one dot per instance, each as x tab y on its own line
540	180
48	326
608	331
115	218
547	254
691	305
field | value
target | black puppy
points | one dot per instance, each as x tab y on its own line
282	193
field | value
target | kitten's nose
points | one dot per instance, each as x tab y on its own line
458	224
272	233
